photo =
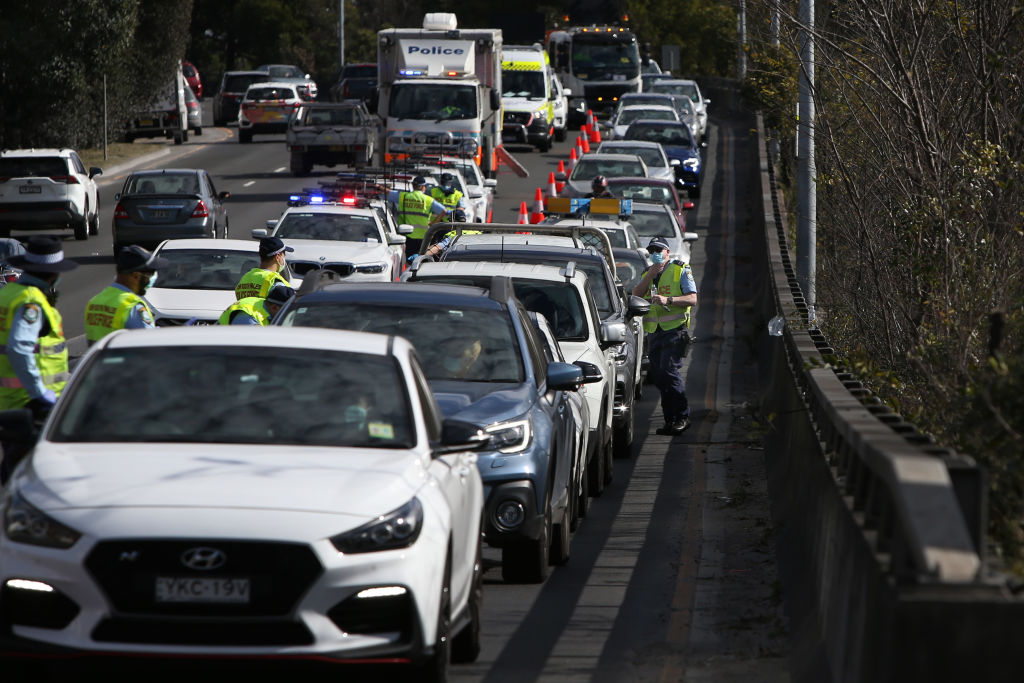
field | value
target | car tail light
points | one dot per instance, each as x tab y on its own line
348	200
120	212
66	179
201	211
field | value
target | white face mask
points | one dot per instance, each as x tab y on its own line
152	279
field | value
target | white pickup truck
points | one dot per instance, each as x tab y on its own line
331	133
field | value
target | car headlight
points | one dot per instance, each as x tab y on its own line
541	114
372	268
397	529
510	437
24	523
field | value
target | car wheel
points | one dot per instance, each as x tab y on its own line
82	227
638	391
527	561
434	668
198	131
545	145
694	193
94	224
560	134
179	138
466	645
298	165
623	438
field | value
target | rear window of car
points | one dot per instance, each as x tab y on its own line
588	168
643	193
33	167
657	132
259	94
285	72
240	82
653	224
360	71
164	183
345	116
650	155
204	268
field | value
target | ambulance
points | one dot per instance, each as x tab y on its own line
529	97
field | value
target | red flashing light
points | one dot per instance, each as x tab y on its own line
201	211
348	200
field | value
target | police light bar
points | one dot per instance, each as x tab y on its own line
410	72
596	206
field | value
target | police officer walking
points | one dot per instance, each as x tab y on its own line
256	310
416	208
121	305
258	281
670	288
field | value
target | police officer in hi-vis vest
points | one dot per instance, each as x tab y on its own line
121	306
256	310
33	351
258	281
670	288
418	209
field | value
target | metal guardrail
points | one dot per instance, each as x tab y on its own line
921	507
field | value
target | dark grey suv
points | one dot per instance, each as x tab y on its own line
229	96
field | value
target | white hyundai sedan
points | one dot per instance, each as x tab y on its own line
274	493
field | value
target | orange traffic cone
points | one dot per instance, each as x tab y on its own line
595	134
537	215
560	184
573	159
552	188
524	217
586	146
591	121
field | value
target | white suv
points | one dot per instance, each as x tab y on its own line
357	240
43	189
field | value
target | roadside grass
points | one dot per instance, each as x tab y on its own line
117	153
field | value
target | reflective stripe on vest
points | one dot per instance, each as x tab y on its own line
252	306
676	315
108	311
414	209
257	283
450	201
51	351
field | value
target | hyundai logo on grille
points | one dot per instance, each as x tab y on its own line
203	558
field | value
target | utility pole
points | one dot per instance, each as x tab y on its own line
776	148
742	56
341	36
806	191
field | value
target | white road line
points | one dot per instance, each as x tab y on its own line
251	182
279	170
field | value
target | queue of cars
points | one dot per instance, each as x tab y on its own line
324	494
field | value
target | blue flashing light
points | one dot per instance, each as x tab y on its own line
294	198
410	72
316	199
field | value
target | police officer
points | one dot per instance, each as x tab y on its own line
121	305
256	310
258	281
599	188
458	216
416	208
446	193
670	288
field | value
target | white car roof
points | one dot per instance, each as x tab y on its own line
37	152
627	144
489	268
290	337
271	84
332	208
545	240
210	245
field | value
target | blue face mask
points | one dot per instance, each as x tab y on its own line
658	258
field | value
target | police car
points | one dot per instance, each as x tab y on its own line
271	494
350	235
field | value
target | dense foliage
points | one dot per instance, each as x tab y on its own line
920	163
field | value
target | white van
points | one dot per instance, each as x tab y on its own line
166	116
527	97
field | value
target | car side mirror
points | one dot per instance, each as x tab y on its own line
259	233
691	236
224	195
612	332
458	436
591	373
396	240
564	377
673	162
561	177
490	182
405	229
707	101
638	306
495	99
117	196
703	145
95	171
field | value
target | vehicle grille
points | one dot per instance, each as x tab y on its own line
194	632
519	117
279	574
302	269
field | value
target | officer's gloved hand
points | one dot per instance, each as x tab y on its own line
42	406
412	258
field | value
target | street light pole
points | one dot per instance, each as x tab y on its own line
341	35
806	236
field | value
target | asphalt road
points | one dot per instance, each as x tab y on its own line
673	574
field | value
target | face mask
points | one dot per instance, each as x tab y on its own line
658	258
452	364
355	415
152	279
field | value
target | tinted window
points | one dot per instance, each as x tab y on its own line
32	167
630	115
360	71
667	135
259	94
654	223
467	344
647	193
630	269
162	183
588	168
652	156
285	72
240	82
204	269
309	225
239	395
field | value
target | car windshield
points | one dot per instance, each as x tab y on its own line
616	237
686	89
653	223
652	156
598	61
340	227
515	83
642	193
241	82
333	116
162	183
249	395
204	268
283	71
631	114
360	71
629	269
587	168
434	330
263	94
676	136
432	101
32	167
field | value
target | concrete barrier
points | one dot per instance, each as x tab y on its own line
881	532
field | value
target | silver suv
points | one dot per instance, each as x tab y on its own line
43	189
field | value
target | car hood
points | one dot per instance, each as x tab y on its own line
205	304
678	152
530	104
329	251
345	481
482	403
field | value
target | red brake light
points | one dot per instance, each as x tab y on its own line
66	179
120	212
201	211
348	200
